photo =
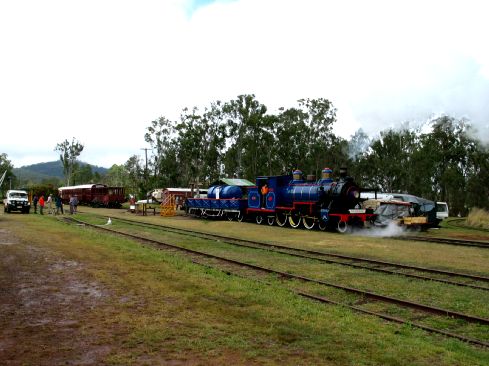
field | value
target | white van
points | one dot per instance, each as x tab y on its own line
441	210
16	201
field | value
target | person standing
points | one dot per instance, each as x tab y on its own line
59	205
34	202
41	204
264	192
49	201
75	203
72	204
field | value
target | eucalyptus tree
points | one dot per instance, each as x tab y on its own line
189	145
83	175
448	147
134	173
214	136
387	163
6	174
477	189
116	176
292	139
161	135
244	130
321	115
69	152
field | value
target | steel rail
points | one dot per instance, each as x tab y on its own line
287	250
298	292
367	294
446	241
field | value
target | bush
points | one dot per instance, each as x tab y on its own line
479	218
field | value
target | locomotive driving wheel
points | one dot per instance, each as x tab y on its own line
294	220
271	220
308	222
239	216
281	219
322	225
343	227
259	219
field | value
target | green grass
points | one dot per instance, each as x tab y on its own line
165	308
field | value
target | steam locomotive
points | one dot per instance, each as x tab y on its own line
289	199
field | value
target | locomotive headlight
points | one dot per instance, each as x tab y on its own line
356	194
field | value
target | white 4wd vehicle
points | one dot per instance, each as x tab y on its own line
16	201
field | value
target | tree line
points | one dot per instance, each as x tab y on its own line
441	160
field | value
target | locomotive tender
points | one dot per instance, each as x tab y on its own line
290	200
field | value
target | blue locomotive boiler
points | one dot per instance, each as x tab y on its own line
294	200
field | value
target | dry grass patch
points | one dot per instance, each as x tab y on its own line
478	218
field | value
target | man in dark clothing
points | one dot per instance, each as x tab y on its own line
59	205
34	201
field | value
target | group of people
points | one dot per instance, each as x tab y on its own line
58	204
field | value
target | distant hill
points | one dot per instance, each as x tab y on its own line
52	169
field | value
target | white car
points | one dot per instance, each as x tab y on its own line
16	201
441	210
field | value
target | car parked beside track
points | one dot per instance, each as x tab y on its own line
16	200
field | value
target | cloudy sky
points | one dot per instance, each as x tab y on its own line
102	70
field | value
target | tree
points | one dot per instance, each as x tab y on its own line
200	141
134	172
387	164
69	152
245	131
161	136
291	140
478	177
321	115
6	167
446	153
83	175
116	176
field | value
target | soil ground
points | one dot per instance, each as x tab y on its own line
65	302
47	308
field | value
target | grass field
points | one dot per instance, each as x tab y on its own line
158	307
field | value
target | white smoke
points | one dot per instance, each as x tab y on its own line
392	229
459	89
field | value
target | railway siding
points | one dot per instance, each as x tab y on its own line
411	293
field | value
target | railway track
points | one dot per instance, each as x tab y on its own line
422	273
364	294
460	242
458	223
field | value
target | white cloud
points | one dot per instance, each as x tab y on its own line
101	71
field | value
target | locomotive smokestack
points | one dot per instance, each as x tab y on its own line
343	172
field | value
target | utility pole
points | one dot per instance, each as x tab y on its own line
146	171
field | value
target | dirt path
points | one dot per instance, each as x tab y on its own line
48	308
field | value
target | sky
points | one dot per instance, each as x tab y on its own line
101	70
